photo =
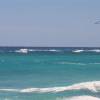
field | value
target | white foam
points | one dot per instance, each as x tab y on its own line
93	86
92	50
80	98
77	51
44	50
53	50
76	63
95	50
22	51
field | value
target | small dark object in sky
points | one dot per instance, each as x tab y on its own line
97	22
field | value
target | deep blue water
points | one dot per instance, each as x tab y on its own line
28	73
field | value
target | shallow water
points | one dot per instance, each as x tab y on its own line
49	73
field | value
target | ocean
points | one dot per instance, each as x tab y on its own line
49	73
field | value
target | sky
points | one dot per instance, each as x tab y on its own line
60	23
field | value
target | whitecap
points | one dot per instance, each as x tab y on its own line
77	51
22	51
43	50
79	63
94	50
93	86
84	97
86	50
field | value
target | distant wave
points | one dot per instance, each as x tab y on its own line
58	50
77	51
83	50
95	50
72	63
79	63
84	97
52	50
35	50
22	51
93	86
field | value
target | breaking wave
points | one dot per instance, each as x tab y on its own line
79	63
56	50
35	50
77	51
85	97
22	51
59	50
83	50
93	86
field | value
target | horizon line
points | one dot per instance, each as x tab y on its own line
54	46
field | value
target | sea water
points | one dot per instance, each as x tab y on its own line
49	73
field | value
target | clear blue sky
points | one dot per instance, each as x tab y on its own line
49	23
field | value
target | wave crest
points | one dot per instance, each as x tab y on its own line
77	51
80	98
93	86
83	50
35	50
22	51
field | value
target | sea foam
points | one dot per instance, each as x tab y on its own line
84	50
85	97
35	50
22	51
93	86
77	51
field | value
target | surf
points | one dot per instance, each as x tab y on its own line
84	97
93	86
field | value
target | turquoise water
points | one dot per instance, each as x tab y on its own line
33	73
